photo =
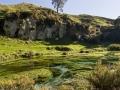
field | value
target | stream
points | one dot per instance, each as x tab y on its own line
54	81
63	70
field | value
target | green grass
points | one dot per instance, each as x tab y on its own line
11	45
40	67
8	45
78	63
11	68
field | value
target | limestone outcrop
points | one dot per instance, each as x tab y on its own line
27	28
30	22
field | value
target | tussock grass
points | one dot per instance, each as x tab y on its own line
105	78
114	47
21	83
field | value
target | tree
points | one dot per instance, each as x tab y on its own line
59	4
117	23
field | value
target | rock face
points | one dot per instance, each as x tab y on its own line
27	28
10	27
117	23
30	22
112	34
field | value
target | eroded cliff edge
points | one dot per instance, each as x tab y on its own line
30	22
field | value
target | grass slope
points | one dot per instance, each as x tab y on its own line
43	13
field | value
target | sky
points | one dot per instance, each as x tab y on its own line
104	8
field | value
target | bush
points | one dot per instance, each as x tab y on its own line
114	47
22	83
62	49
105	78
81	51
28	54
84	51
48	48
64	53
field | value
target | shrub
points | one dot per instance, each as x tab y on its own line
48	48
80	83
81	51
114	47
105	78
40	79
84	51
64	53
22	83
62	48
28	54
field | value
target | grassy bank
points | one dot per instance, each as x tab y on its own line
12	46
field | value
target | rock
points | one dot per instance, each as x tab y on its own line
27	29
55	31
62	30
10	27
41	35
117	23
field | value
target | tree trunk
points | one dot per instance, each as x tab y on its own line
57	9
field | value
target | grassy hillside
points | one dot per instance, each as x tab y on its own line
43	13
93	20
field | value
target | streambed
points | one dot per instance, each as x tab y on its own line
66	71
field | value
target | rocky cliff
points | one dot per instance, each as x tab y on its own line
27	21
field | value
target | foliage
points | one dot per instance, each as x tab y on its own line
21	83
95	20
28	54
63	48
58	4
105	78
114	47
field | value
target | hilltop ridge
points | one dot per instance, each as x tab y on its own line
43	23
